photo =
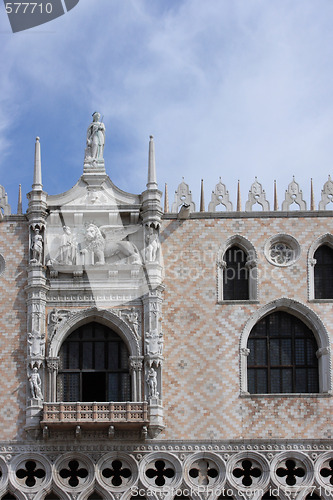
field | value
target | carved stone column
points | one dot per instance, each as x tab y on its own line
136	364
153	348
37	289
52	369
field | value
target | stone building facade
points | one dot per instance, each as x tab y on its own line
160	353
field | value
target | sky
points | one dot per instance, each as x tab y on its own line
228	88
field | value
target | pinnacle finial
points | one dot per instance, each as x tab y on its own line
202	199
37	184
19	203
276	206
166	199
312	201
239	206
152	183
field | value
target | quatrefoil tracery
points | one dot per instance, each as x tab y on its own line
291	472
117	473
30	473
247	472
73	473
160	472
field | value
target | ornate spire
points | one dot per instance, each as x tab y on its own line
239	207
37	184
152	183
166	199
202	198
19	203
276	206
312	202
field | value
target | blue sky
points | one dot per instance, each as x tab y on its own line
230	88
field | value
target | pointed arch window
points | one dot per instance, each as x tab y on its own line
236	275
93	366
323	272
282	356
237	271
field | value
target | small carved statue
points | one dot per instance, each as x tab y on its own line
37	246
35	385
152	383
154	343
36	344
95	139
133	318
152	245
67	249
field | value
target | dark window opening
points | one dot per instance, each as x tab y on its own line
93	366
282	356
235	275
95	496
323	273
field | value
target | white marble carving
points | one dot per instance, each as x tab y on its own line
256	195
152	383
220	196
35	385
95	139
36	244
326	194
293	195
132	317
154	343
106	242
67	249
36	344
183	196
56	318
152	251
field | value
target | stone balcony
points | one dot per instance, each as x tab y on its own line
127	415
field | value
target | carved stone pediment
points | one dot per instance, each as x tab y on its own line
94	190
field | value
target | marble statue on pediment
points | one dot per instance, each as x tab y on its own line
95	139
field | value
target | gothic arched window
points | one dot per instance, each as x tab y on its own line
323	272
235	275
93	366
282	356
